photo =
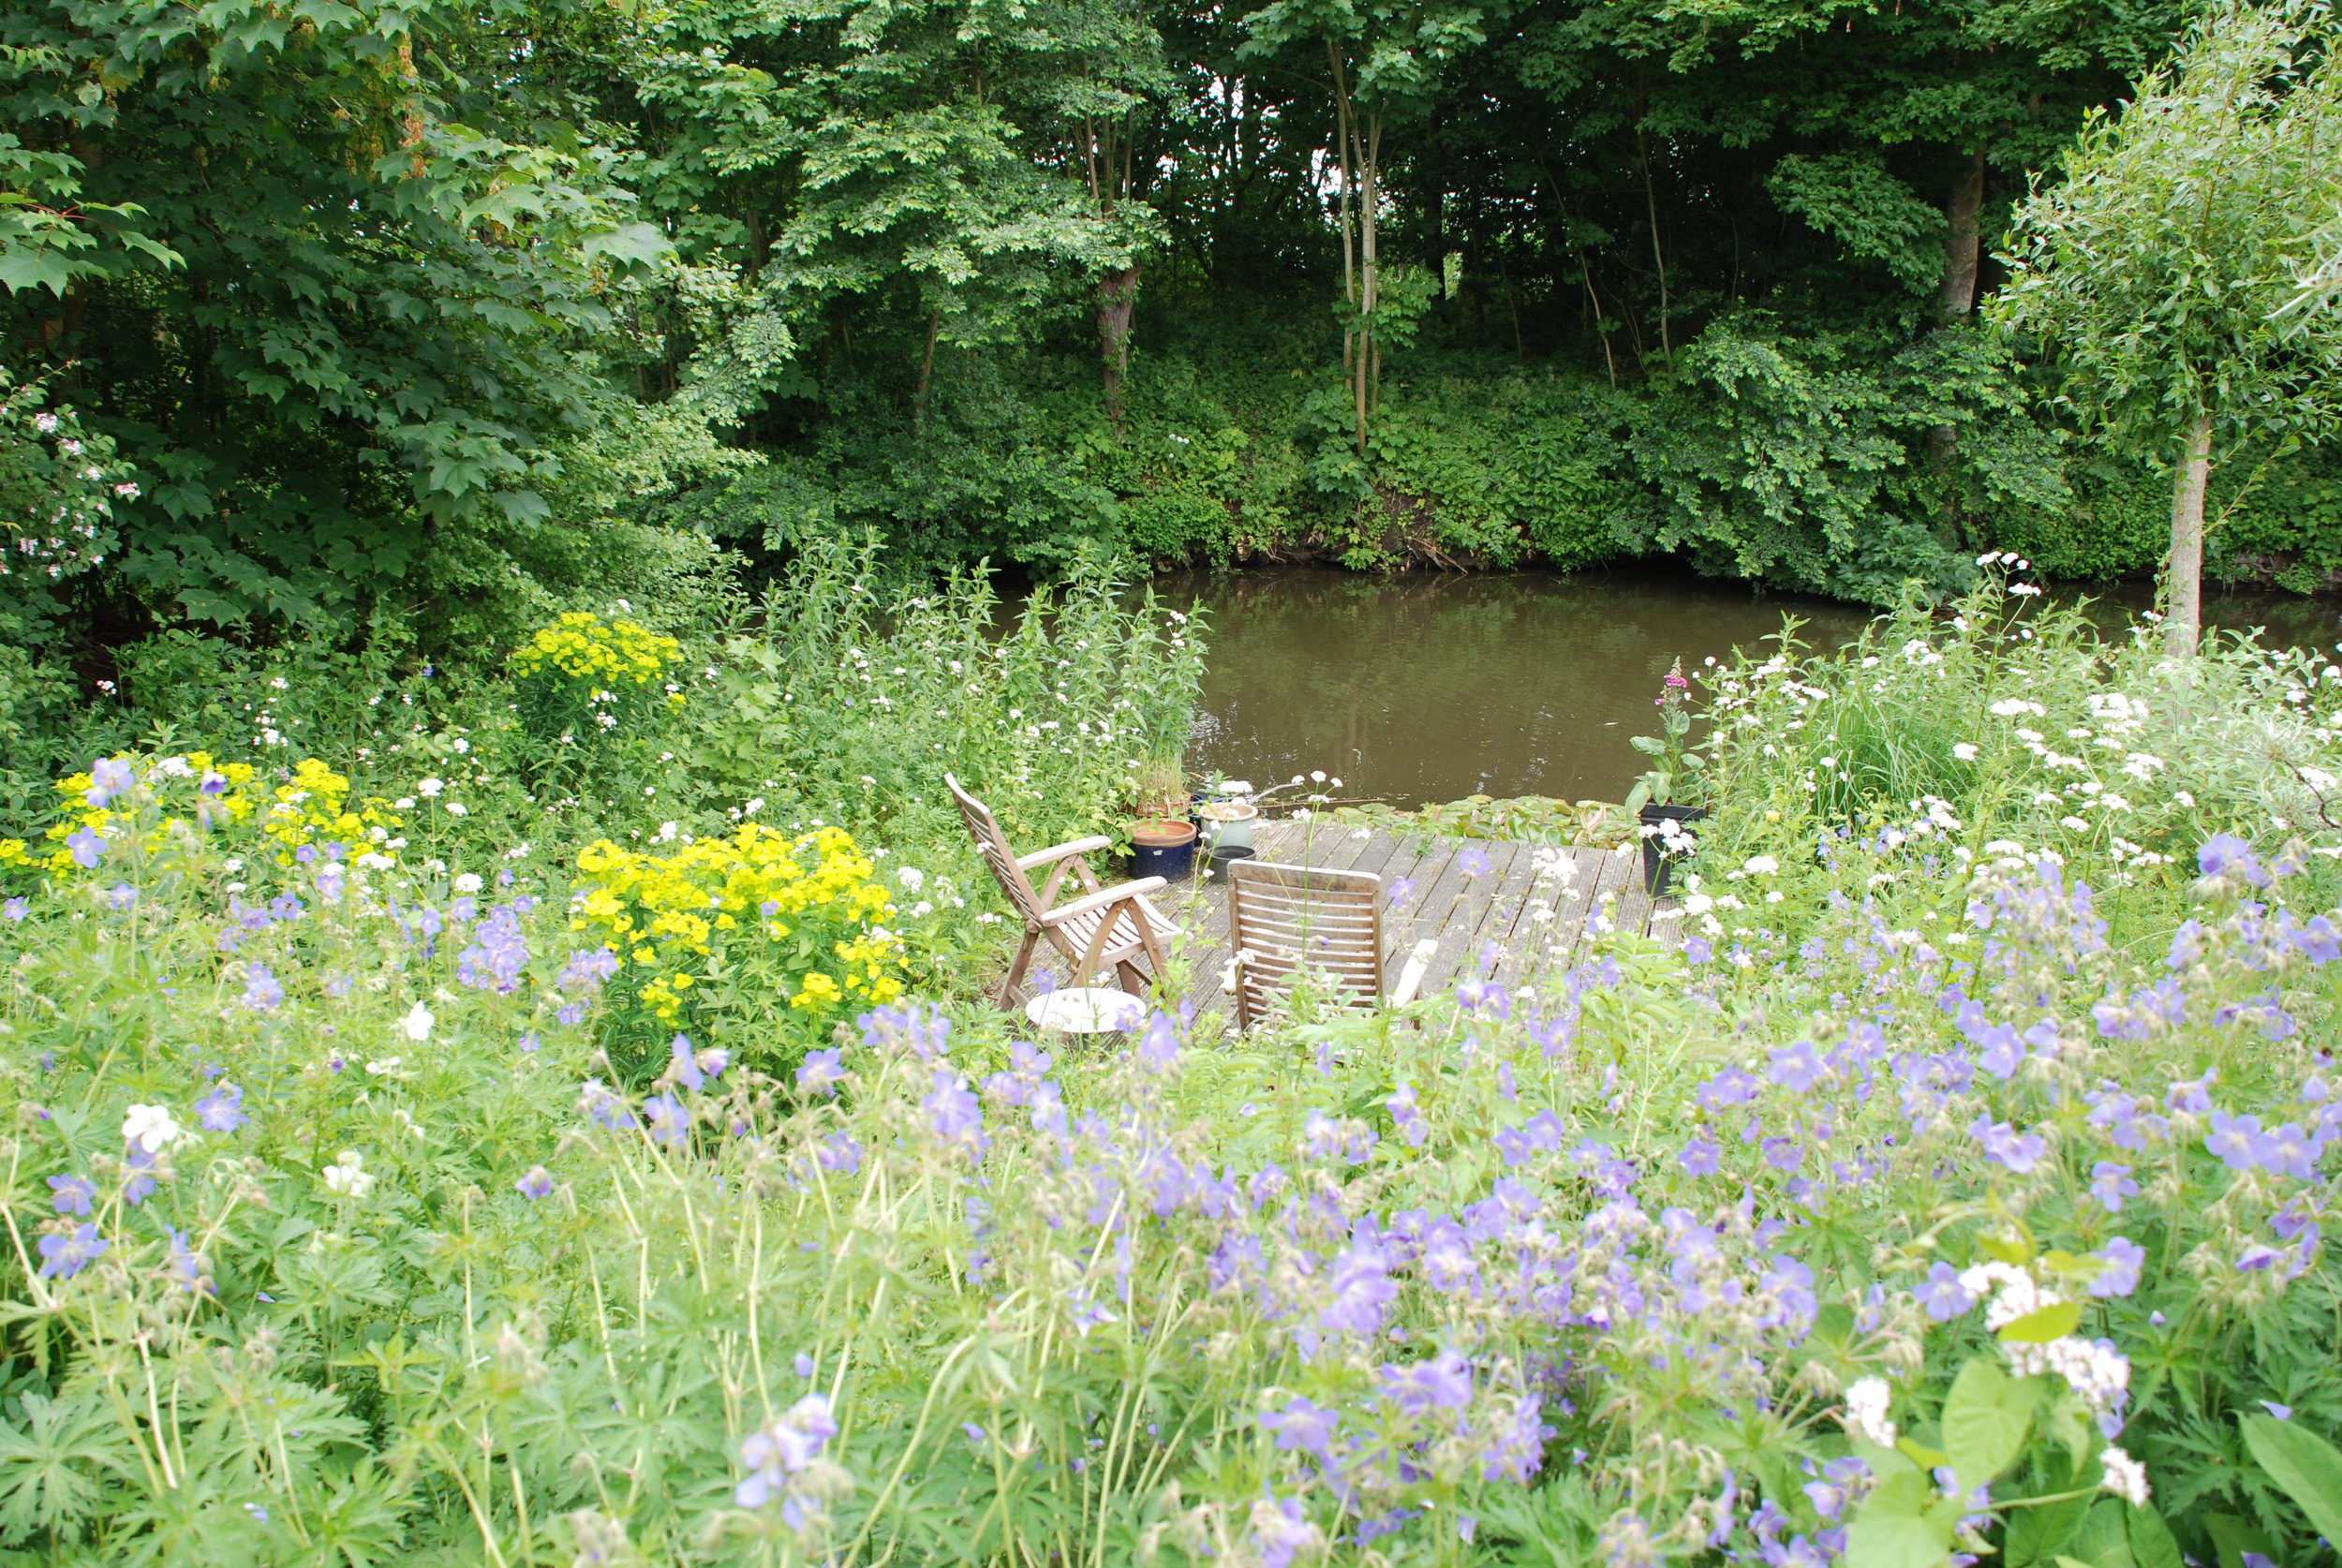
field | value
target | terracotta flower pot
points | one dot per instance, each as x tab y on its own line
1164	803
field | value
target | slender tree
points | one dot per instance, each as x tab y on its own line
2159	274
1383	63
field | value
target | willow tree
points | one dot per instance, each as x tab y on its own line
2159	274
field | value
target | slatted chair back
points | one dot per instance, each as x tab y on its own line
993	845
1285	919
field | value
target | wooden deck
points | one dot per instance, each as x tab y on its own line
1519	909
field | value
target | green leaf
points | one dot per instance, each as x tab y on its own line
1921	1455
2151	1542
52	1467
2003	1249
1986	1418
639	245
2040	1328
2232	1537
2102	1540
1897	1526
2037	1533
2305	1467
1896	1541
47	269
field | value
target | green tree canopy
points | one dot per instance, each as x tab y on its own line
2158	273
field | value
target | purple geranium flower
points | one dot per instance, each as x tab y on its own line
222	1110
2111	1183
2123	1259
109	777
1442	1382
956	1114
2231	1140
1942	1294
1794	1067
260	990
1360	1290
2224	854
64	1256
2005	1146
820	1072
670	1123
1302	1426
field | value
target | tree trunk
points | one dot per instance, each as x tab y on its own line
1658	254
2183	625
1369	273
1342	148
1118	293
1608	360
926	373
1963	245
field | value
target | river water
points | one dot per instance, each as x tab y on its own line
1424	687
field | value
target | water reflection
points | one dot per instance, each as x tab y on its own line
1422	687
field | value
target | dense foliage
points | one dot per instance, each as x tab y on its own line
410	325
1947	1174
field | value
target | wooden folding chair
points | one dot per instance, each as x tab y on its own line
1105	927
1286	920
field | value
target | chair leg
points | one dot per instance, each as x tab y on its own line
1151	942
1013	987
1095	955
1132	978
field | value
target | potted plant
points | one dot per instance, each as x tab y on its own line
1227	819
1664	798
1160	784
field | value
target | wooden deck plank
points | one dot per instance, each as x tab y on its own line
1525	938
1427	907
1451	915
1617	867
1634	904
1458	913
1571	912
1499	914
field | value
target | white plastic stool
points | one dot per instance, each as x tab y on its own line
1086	1009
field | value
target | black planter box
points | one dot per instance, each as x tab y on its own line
1657	864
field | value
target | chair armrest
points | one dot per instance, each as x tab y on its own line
1078	847
1103	898
1411	978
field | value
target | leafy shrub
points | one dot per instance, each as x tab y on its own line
851	706
755	940
130	811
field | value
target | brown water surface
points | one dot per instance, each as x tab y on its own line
1423	686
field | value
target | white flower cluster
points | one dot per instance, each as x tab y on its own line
347	1175
2094	1370
2019	1296
1865	1413
2126	1477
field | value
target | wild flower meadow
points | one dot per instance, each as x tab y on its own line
1945	1175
